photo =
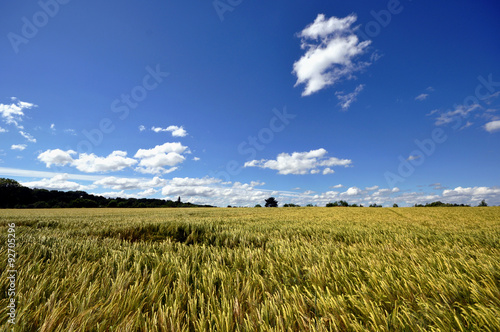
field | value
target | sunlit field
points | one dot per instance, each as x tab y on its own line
251	269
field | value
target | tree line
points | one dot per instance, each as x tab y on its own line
13	195
272	202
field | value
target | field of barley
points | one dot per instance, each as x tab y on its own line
251	269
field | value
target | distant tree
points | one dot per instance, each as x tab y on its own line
271	202
9	183
395	205
113	203
41	205
291	205
339	203
310	205
483	203
179	200
375	205
229	206
258	205
83	203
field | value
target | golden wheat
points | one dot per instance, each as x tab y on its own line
285	269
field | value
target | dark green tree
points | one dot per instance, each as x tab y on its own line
271	202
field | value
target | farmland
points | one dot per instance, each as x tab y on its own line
246	269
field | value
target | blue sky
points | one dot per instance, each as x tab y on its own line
230	102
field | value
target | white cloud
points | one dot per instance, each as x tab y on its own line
422	96
53	126
348	99
492	126
352	191
116	183
153	161
88	163
159	149
196	158
3	130
331	48
116	161
58	182
460	111
142	128
14	113
472	195
30	138
70	132
337	186
328	171
41	174
371	188
300	162
19	147
413	157
56	157
175	130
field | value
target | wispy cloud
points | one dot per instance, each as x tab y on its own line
460	111
422	96
348	99
29	137
13	114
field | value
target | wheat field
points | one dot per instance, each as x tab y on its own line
251	269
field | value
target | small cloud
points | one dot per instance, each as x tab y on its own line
337	186
492	126
30	138
19	147
413	157
432	112
53	127
467	125
328	171
70	132
142	128
430	89
422	96
371	188
196	158
175	130
348	99
3	130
